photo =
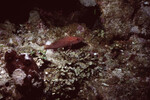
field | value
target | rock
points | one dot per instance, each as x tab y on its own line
25	73
88	3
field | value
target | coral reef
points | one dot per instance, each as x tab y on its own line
110	61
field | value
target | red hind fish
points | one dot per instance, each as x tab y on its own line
64	42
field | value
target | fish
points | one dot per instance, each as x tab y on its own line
64	42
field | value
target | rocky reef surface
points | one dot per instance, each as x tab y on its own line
112	62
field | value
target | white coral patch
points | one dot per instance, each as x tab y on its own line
4	77
26	56
48	43
19	76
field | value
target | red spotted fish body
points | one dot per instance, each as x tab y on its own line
64	42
